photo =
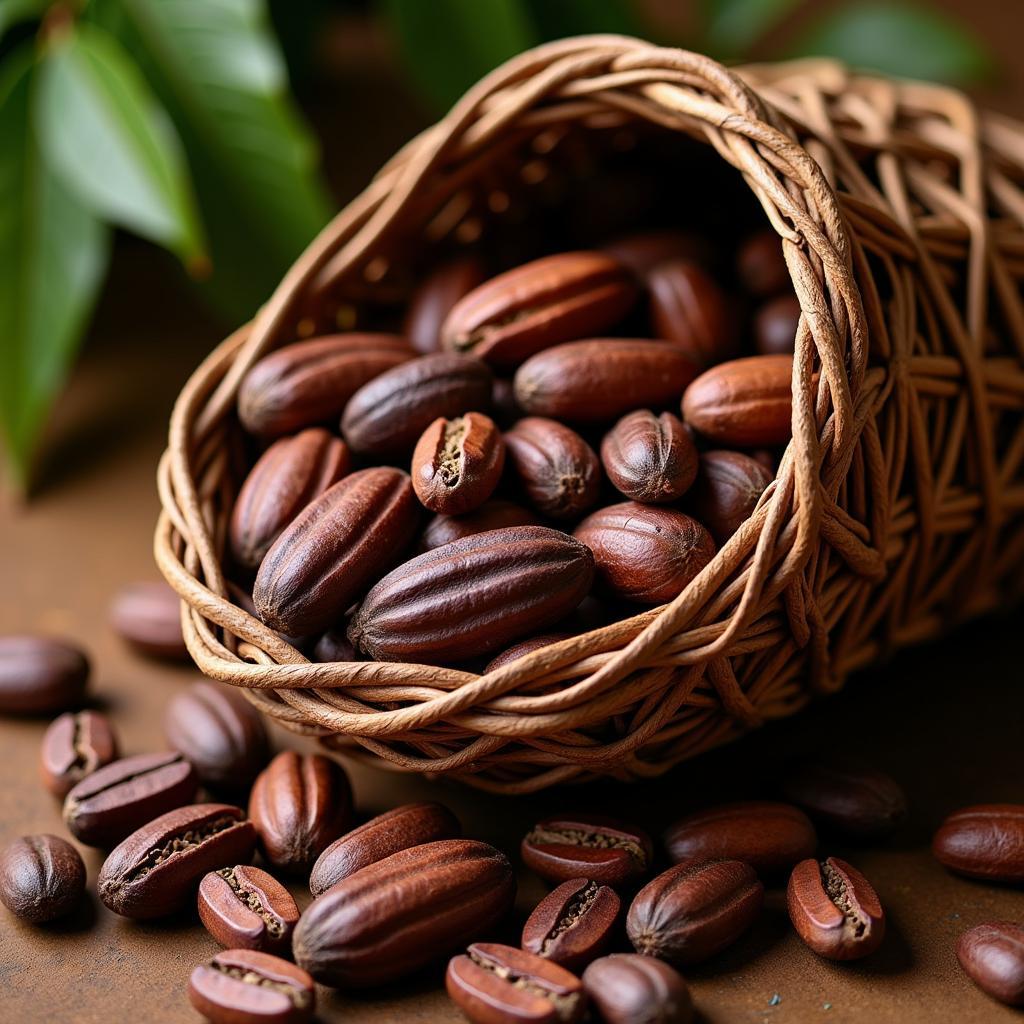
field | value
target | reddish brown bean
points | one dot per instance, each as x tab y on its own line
309	383
286	478
599	380
745	402
775	326
587	846
550	300
243	907
834	909
388	833
645	553
524	647
75	745
458	463
692	912
573	924
992	955
984	841
244	986
689	309
769	836
300	803
761	265
148	617
434	298
495	984
726	491
336	547
557	469
651	459
628	988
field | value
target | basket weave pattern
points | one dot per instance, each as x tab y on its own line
898	508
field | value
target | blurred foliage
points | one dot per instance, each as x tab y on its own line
167	118
448	44
172	119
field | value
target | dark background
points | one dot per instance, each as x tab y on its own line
947	721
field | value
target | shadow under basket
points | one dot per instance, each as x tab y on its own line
898	507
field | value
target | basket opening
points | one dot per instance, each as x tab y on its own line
560	189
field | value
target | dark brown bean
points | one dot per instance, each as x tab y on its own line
627	988
689	309
473	596
243	986
220	732
692	912
336	547
550	300
334	646
503	401
399	914
524	647
385	417
245	908
75	745
286	478
42	877
726	491
746	402
114	801
834	909
147	616
645	553
40	675
775	326
495	984
642	251
984	841
434	299
458	463
992	955
573	924
308	383
651	459
156	870
587	846
761	265
300	804
851	798
599	380
769	836
556	468
495	514
388	833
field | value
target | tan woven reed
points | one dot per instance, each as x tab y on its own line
898	509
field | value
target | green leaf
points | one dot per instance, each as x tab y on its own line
13	11
54	253
217	69
733	26
901	40
450	44
557	19
111	142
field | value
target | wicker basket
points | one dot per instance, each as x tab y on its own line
898	508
